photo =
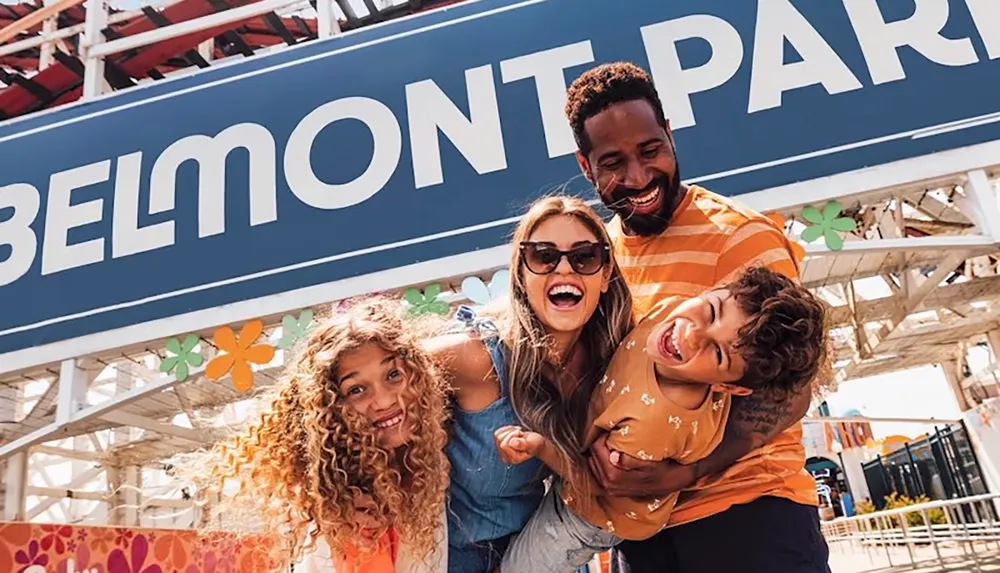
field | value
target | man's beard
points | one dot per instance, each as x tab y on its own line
645	225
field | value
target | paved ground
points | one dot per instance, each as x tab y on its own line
956	560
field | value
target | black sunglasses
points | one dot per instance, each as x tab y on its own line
544	258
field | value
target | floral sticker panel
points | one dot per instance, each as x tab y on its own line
37	548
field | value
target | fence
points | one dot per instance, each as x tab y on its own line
940	466
964	529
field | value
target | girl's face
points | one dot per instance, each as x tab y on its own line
372	383
563	288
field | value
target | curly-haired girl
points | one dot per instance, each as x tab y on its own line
351	450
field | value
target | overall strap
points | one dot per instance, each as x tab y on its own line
490	336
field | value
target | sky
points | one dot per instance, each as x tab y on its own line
917	393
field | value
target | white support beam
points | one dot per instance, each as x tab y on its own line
43	407
327	24
167	429
10	395
980	203
47	51
866	419
82	455
938	210
15	480
73	384
941	169
917	296
950	369
860	336
55	430
56	495
206	50
977	289
62	34
907	245
188	27
92	38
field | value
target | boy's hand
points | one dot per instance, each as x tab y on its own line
517	446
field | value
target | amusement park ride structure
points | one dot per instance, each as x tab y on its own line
915	283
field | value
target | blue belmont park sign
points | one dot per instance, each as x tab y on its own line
427	135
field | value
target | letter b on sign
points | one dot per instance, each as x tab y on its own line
16	230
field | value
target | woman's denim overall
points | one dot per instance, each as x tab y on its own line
489	500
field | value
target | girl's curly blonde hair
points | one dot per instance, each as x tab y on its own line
312	468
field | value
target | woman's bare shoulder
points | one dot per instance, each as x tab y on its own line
462	357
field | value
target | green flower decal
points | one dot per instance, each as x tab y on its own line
826	224
293	330
184	358
426	302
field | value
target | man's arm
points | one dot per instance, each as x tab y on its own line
754	420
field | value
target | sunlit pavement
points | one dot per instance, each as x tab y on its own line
956	560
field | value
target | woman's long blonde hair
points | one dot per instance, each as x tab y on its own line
311	467
536	399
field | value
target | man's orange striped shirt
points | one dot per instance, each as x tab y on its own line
710	239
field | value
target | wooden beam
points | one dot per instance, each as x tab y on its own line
917	296
979	289
149	424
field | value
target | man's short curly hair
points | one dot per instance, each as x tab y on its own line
603	86
785	341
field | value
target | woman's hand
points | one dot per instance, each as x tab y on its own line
621	475
517	446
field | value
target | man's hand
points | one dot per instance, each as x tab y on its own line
621	475
517	446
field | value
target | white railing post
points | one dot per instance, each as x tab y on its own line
47	51
326	19
93	66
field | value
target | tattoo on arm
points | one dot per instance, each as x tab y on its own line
757	418
753	421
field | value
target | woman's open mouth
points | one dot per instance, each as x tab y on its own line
669	344
390	421
565	296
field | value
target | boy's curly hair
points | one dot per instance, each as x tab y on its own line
785	341
310	467
605	85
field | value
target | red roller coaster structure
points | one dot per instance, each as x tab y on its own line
35	82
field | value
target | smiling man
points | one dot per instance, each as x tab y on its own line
750	505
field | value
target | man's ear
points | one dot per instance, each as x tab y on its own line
584	164
734	389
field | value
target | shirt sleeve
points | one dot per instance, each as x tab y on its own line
755	243
623	438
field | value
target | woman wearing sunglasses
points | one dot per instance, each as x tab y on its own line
532	360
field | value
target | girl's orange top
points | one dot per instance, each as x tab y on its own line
381	560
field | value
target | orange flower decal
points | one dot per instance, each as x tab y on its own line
238	353
798	251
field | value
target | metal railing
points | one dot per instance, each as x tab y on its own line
965	529
93	48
